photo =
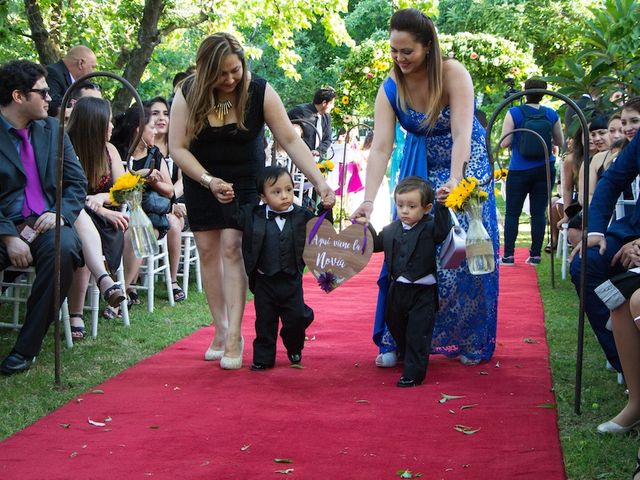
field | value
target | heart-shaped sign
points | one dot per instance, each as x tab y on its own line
334	257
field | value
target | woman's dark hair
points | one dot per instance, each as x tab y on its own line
270	175
19	75
325	94
150	102
87	129
599	121
423	30
125	126
368	140
632	104
409	184
534	83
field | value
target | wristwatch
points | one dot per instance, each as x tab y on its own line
205	179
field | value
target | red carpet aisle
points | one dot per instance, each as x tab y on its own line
175	416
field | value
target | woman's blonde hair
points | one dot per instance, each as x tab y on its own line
423	30
201	97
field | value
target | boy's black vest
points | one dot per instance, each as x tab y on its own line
278	252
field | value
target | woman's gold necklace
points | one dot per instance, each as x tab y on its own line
222	109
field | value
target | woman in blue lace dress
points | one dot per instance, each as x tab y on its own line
433	100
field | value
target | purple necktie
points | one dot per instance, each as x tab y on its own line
34	201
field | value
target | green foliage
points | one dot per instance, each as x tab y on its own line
609	60
489	60
360	76
549	26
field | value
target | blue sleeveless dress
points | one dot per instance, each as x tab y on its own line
466	321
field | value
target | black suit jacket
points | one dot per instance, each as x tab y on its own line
44	138
613	182
253	222
59	81
309	113
423	237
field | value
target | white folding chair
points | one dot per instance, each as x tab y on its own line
17	291
152	266
188	257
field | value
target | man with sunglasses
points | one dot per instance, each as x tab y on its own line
79	61
28	183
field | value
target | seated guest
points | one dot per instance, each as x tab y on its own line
611	245
101	228
79	61
146	160
28	174
86	89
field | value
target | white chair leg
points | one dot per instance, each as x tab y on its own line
565	249
66	324
150	283
186	265
198	273
167	274
94	307
124	306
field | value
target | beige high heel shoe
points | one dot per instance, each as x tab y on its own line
233	363
211	354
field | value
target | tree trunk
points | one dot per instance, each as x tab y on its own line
137	59
48	51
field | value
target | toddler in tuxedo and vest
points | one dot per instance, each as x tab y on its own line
272	246
409	246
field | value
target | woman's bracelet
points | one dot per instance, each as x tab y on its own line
205	179
367	201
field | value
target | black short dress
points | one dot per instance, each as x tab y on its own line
236	156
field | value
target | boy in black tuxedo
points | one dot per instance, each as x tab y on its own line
409	246
272	246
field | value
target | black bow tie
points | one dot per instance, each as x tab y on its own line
271	214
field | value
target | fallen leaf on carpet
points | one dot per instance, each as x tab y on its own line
78	400
73	454
498	364
408	474
466	430
464	407
285	472
283	460
296	365
108	419
531	340
154	427
466	465
205	463
547	405
448	469
445	398
244	448
65	425
484	373
84	446
357	365
97	424
107	430
176	388
362	401
98	392
452	412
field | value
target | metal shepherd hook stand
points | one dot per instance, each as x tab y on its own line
585	214
60	162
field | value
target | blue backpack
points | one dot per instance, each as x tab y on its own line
529	145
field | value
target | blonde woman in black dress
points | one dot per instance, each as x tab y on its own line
216	137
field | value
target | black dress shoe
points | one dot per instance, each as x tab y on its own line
15	363
295	358
258	367
406	382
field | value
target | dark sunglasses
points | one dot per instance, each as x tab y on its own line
44	92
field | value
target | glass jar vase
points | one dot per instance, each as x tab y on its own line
479	247
143	238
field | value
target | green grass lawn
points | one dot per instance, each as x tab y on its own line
27	397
